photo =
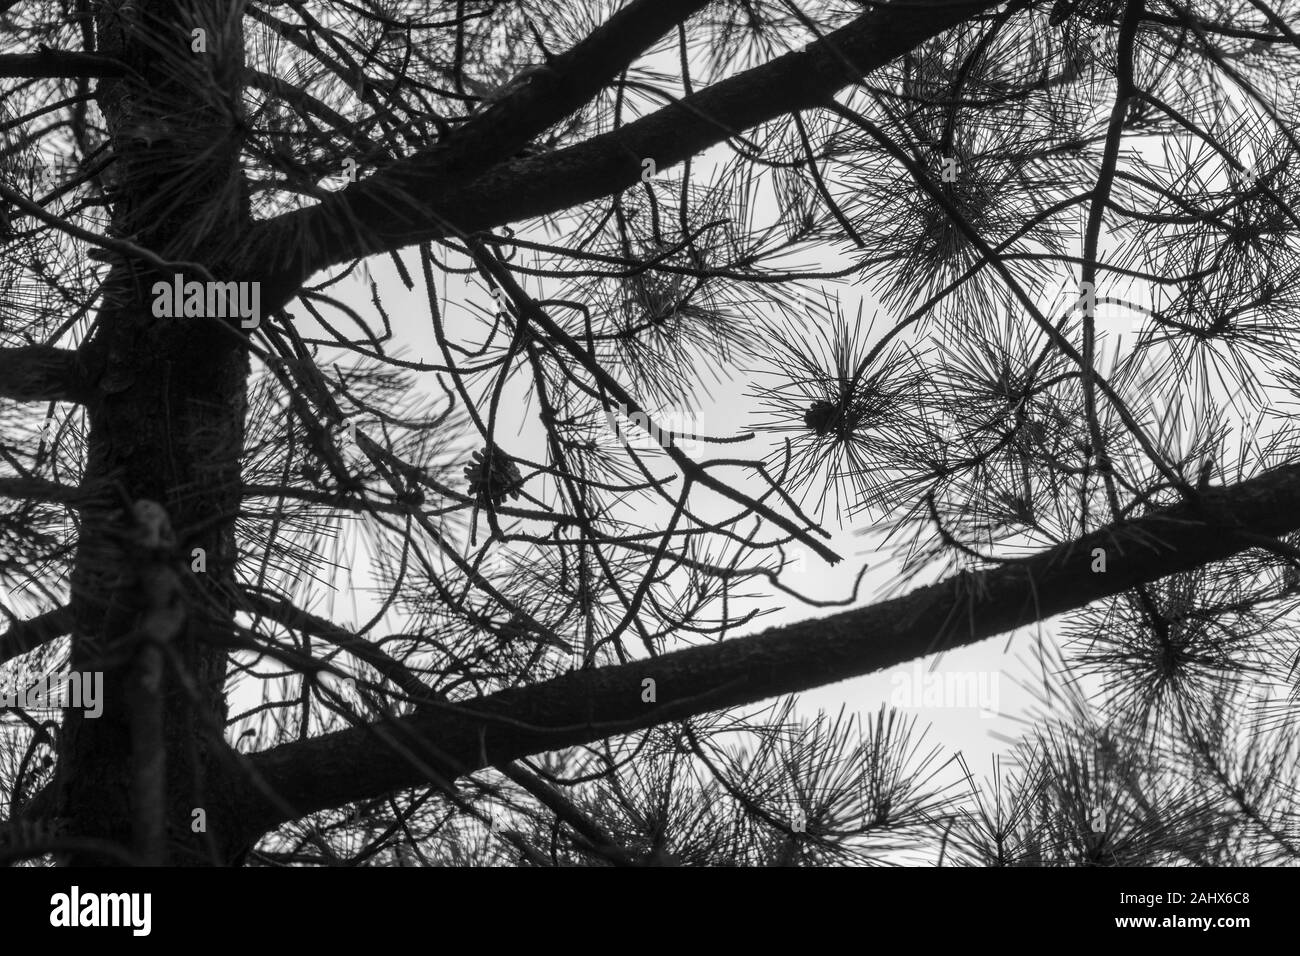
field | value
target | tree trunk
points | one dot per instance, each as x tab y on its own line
166	427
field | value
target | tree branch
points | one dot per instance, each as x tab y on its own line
601	843
122	247
24	636
411	201
556	90
295	618
345	766
306	103
39	373
38	489
60	64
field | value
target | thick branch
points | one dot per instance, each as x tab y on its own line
567	83
38	489
38	373
24	636
52	64
601	842
348	765
414	200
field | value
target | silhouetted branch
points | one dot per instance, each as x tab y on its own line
60	64
24	636
37	373
408	202
39	489
341	767
286	614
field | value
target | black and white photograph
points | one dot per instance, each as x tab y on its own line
860	435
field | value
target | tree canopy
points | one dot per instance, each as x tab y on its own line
409	409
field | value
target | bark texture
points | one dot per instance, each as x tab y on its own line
166	427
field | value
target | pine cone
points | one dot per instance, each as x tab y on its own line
821	417
493	476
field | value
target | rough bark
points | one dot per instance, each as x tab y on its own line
168	428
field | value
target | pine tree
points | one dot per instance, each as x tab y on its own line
908	228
